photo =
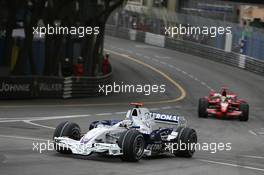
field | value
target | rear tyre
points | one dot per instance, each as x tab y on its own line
186	141
244	107
202	109
67	129
132	144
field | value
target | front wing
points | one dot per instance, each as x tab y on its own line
86	149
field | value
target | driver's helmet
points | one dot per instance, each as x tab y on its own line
223	92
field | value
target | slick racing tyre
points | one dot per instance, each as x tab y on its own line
202	109
244	107
132	144
185	142
67	129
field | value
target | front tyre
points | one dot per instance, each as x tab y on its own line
132	144
66	129
186	141
244	107
202	108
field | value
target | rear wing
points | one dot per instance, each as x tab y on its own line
169	119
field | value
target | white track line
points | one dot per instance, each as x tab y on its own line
9	121
232	165
166	107
22	137
44	118
253	157
39	125
162	57
120	113
252	132
164	63
154	109
103	114
147	57
51	118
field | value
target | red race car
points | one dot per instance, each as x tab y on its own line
223	104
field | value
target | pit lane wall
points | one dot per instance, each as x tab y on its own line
30	87
224	56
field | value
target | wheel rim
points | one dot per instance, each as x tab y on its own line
193	140
75	134
139	146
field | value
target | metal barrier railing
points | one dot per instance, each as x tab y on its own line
21	87
77	87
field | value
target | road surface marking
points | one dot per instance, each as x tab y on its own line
22	137
166	107
45	118
177	85
102	114
252	132
147	57
162	57
154	109
232	165
118	113
39	125
254	157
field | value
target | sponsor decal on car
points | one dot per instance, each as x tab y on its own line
166	117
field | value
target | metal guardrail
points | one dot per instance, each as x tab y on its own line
77	87
30	87
21	87
212	53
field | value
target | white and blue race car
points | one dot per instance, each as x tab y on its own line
142	133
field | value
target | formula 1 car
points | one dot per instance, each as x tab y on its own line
142	133
223	104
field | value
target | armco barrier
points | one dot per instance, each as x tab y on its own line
21	87
157	40
16	87
49	87
212	53
230	58
76	87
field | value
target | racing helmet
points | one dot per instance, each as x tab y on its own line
223	92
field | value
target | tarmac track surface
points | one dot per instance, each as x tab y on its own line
23	123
